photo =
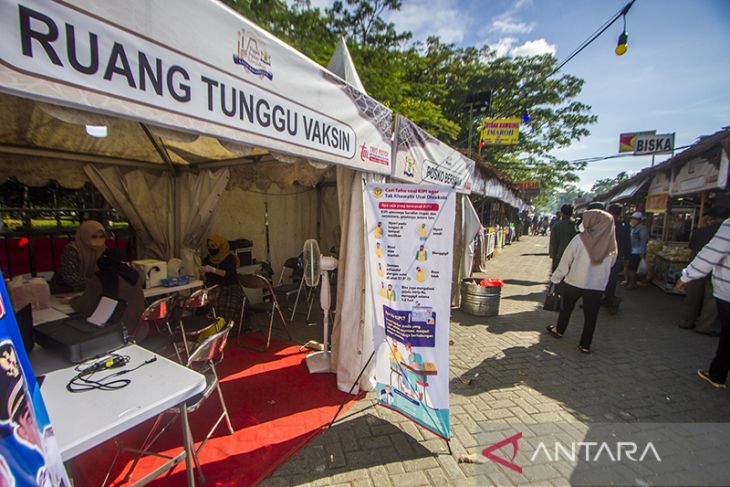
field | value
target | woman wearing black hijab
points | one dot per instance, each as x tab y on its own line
118	280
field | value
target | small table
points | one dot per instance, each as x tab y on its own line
161	290
85	419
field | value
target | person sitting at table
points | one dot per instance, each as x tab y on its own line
118	280
219	268
78	258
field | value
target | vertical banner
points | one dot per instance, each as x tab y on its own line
29	453
410	233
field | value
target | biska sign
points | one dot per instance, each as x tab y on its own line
654	144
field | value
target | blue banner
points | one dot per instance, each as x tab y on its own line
29	454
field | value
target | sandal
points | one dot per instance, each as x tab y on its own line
584	349
553	331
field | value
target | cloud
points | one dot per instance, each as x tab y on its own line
423	18
533	48
506	46
508	26
503	46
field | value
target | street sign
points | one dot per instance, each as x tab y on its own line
627	141
654	144
501	131
529	188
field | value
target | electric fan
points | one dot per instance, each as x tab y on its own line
316	267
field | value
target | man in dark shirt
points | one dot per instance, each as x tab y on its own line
623	245
699	310
561	233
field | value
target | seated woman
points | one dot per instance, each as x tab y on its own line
78	258
118	280
220	269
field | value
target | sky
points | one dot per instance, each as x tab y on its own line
675	77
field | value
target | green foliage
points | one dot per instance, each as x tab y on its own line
428	82
556	199
603	185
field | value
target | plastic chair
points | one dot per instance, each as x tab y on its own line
255	281
158	313
192	324
202	359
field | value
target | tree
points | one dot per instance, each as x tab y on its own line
603	185
428	82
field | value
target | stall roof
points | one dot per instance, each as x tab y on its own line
630	191
706	147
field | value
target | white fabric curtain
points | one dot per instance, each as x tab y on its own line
472	228
145	198
352	334
197	196
292	215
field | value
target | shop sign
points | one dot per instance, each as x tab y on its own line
529	188
501	131
654	144
698	175
627	141
657	203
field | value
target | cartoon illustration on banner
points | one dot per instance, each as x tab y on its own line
410	240
29	454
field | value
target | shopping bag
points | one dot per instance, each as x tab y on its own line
643	267
552	300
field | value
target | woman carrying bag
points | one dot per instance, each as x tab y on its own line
584	270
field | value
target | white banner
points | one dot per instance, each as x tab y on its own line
410	232
420	158
698	174
192	65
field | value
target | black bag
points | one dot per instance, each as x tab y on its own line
552	300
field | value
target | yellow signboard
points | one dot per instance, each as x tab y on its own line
501	131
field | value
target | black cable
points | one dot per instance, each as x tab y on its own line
83	382
615	156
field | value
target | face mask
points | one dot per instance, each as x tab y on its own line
212	251
581	229
97	242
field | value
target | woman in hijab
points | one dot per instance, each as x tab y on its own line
220	269
118	280
584	270
78	258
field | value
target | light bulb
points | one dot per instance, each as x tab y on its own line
99	131
623	44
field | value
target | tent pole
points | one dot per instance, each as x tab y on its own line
78	157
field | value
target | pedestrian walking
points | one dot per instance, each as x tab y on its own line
699	310
561	234
715	258
623	252
639	239
583	273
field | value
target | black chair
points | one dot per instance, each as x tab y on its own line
195	317
159	313
254	281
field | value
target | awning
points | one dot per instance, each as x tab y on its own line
629	191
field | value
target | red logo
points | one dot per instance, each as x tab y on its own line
487	452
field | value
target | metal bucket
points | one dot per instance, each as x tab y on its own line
479	300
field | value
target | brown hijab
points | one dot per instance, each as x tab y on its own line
88	254
599	235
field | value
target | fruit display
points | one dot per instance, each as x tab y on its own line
675	253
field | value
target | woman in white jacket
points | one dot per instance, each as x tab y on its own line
584	270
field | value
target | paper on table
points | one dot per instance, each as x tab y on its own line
103	311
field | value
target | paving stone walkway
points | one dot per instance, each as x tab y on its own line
509	377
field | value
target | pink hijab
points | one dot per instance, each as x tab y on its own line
88	254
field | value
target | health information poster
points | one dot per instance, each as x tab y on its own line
410	233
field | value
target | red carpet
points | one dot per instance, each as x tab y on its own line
276	408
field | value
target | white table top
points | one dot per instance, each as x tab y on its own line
41	316
61	302
160	290
85	419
